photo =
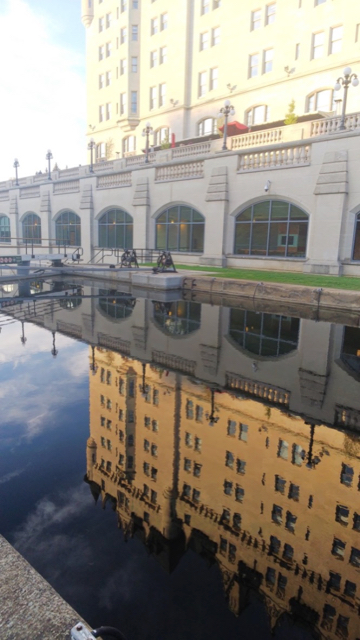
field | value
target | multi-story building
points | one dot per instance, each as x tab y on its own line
270	498
174	64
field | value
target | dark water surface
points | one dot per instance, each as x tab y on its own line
217	495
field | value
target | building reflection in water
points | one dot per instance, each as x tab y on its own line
272	499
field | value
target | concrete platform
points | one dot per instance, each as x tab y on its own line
29	607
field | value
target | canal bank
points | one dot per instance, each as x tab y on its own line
29	606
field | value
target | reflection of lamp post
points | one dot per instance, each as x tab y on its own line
146	132
312	460
212	418
54	350
93	365
349	78
23	338
226	111
91	146
48	157
16	165
143	387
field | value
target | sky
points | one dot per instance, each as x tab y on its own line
42	85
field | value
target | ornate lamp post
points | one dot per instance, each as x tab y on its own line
146	132
23	338
226	111
91	147
48	157
16	165
54	350
143	387
93	365
349	78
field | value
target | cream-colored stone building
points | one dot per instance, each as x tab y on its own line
174	64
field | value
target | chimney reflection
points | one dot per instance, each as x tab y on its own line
269	497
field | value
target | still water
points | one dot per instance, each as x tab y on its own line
183	470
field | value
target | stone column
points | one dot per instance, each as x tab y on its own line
141	204
217	197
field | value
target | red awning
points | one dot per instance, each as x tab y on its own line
235	128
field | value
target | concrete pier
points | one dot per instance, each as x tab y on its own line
29	606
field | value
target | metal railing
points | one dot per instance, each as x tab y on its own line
28	246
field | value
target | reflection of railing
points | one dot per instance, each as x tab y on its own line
347	417
109	342
261	390
174	362
72	330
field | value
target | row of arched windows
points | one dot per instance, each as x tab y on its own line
271	228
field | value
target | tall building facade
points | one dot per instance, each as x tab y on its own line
174	64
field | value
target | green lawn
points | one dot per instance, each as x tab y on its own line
331	282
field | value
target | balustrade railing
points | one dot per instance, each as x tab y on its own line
191	149
272	394
257	138
134	160
331	125
180	171
114	180
103	166
69	186
275	158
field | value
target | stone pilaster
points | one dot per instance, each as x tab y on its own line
217	197
141	202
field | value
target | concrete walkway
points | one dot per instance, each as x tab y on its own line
29	607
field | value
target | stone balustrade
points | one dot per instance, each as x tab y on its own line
134	160
103	166
69	186
275	158
191	149
331	125
183	171
114	180
258	138
30	192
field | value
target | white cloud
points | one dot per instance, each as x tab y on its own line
11	475
42	94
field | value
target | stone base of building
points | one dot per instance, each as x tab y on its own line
328	269
213	261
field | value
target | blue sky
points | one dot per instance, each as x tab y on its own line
42	84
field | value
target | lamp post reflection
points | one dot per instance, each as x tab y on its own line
54	350
211	417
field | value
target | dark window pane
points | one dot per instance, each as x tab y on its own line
356	254
242	238
161	236
185	231
279	210
278	238
197	238
259	239
185	214
245	215
261	211
297	240
173	237
173	215
297	214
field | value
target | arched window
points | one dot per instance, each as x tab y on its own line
206	127
31	227
356	252
129	144
180	228
257	115
322	100
4	229
178	318
116	229
68	229
271	228
115	304
264	334
161	135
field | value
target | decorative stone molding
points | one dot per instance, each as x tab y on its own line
86	201
45	203
218	185
333	176
210	358
14	205
141	194
312	388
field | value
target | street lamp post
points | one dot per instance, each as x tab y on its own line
226	111
16	165
349	78
48	157
146	132
91	146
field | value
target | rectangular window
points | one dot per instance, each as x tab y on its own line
155	426
153	473
202	83
134	64
123	6
108	49
342	515
101	80
108	20
253	65
162	94
153	58
154	26
153	496
243	433
196	495
240	466
152	98
101	52
216	4
350	589
347	474
108	111
154	450
280	484
134	102
163	55
270	576
288	553
103	442
298	455
276	514
123	35
122	103
109	445
146	446
135	4
102	113
197	470
317	45
121	435
146	491
134	32
355	557
189	410
229	460
146	468
102	421
255	19
274	545
187	490
268	60
121	459
187	464
283	449
231	428
108	78
197	444
294	492
204	40
270	13
239	493
228	486
156	397
163	21
338	548
214	75
205	6
188	439
199	412
215	36
336	34
236	520
290	521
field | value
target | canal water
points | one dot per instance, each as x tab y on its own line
179	469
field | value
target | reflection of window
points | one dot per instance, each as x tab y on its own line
347	474
283	450
116	229
180	228
280	484
342	515
118	306
178	318
276	514
264	334
271	228
338	548
68	229
355	557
